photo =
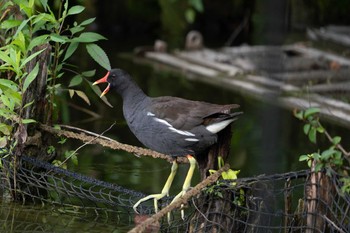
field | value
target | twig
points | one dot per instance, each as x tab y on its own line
333	224
339	146
182	200
84	136
205	217
87	132
86	143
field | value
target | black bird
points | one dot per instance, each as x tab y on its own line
169	125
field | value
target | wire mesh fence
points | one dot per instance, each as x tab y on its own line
292	202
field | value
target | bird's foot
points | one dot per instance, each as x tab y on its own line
155	198
181	194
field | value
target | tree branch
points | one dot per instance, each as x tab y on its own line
93	138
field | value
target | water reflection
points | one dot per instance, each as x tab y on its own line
15	217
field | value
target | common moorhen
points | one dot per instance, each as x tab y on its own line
169	125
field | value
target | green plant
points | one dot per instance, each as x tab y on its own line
216	189
193	7
25	26
226	175
332	158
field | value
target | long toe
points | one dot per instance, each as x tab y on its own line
156	197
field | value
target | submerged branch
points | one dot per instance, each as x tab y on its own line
93	138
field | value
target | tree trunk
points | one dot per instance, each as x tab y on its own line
319	190
214	211
28	139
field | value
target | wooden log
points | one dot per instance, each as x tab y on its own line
211	59
181	64
332	35
304	77
338	29
311	52
331	87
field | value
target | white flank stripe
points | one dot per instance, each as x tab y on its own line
217	127
163	122
150	114
192	139
186	133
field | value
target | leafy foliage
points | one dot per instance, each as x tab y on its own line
24	25
333	157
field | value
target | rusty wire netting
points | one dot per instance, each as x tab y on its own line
291	202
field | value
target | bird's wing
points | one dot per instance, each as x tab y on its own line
185	114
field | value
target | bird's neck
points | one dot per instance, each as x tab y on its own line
132	93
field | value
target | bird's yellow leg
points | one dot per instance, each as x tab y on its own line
187	183
165	190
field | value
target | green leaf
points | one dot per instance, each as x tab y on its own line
88	37
230	174
59	38
3	143
327	154
336	140
43	18
27	9
75	10
37	41
28	59
24	22
28	104
8	83
98	55
71	92
307	128
89	73
190	15
30	77
320	129
44	4
304	158
76	80
318	167
76	29
315	156
298	114
28	121
309	162
310	112
10	23
312	135
98	92
87	22
197	5
83	96
74	159
7	59
19	41
5	129
70	50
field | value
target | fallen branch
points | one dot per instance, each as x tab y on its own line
182	200
93	138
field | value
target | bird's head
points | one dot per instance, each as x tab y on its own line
113	77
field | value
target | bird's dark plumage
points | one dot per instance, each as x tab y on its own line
169	125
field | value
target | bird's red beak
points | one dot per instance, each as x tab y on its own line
103	80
